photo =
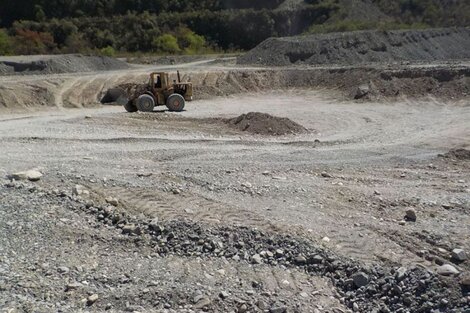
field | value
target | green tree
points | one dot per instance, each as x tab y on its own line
190	42
39	13
166	43
108	51
6	47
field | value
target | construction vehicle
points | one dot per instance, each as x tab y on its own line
159	91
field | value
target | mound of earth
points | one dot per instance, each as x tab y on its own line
56	64
363	46
457	154
265	124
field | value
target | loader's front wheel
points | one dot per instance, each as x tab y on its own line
145	103
130	107
175	102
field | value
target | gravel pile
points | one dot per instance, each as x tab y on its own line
265	124
72	63
362	47
361	288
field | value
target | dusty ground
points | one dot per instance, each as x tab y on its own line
351	179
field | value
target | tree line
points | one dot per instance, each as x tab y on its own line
195	26
189	31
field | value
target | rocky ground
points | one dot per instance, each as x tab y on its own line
364	210
358	47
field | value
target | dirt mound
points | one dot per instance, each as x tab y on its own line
457	154
265	124
56	64
361	47
128	91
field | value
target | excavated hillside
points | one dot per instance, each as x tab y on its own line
57	64
362	47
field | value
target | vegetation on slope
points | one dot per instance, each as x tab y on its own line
199	26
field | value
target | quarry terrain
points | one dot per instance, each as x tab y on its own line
306	176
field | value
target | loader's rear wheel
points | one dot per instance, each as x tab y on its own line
145	103
130	107
175	102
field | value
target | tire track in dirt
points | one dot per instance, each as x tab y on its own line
154	203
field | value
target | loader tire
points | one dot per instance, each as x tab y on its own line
130	107
145	103
175	103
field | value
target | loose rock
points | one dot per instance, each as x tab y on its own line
278	309
360	279
256	259
92	299
31	175
447	270
203	302
459	255
411	215
112	201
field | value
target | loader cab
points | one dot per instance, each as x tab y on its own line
159	81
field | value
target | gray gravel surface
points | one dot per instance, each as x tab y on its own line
55	64
362	47
176	214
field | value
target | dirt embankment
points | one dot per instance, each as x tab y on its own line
362	47
448	83
56	64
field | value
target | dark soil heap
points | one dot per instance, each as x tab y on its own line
363	47
265	124
457	154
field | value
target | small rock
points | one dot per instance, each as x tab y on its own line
279	252
112	201
316	259
176	191
224	295
362	91
447	270
300	260
87	117
72	286
31	175
242	308
278	309
465	281
131	229
262	305
400	273
256	259
203	302
325	175
247	185
92	299
326	239
411	215
459	255
79	190
63	269
360	279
